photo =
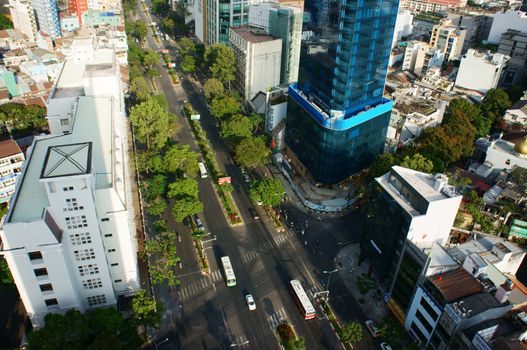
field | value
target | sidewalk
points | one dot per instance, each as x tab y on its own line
371	301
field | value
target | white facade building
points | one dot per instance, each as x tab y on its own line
502	22
414	56
448	39
481	70
403	26
69	236
24	18
258	58
11	159
517	114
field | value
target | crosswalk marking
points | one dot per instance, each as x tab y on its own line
277	317
216	275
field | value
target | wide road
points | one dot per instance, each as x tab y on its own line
213	316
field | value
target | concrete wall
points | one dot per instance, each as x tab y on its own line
508	20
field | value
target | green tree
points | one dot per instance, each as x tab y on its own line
139	30
188	65
150	58
236	128
495	104
16	117
473	113
160	252
381	165
213	88
168	24
180	159
186	206
252	152
298	343
5	23
418	162
219	60
187	47
140	89
160	7
268	192
183	188
6	278
150	162
151	123
154	187
146	310
519	176
156	206
224	105
351	332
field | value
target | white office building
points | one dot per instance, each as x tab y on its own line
69	235
258	58
481	71
23	18
11	159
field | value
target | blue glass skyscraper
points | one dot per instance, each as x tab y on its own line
337	117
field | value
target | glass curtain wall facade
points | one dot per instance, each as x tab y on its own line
340	87
231	13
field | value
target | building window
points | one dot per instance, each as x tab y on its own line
108	235
105	219
72	204
66	189
97	300
64	122
73	222
41	272
85	254
111	250
51	302
429	310
35	256
46	287
92	283
429	328
115	264
118	281
80	238
91	269
417	333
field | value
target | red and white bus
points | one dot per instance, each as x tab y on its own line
302	300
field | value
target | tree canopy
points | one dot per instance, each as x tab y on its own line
186	206
146	310
103	329
236	128
351	332
155	186
219	60
223	106
140	89
151	122
183	188
18	117
252	152
161	250
180	159
268	192
213	88
418	162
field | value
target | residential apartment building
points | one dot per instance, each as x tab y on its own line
417	6
47	16
213	18
337	115
448	39
69	235
481	71
403	26
410	213
513	43
23	18
258	58
504	21
11	160
414	56
282	22
477	25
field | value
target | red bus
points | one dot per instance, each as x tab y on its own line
302	300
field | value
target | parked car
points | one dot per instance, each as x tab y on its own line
250	302
198	223
385	346
254	213
372	328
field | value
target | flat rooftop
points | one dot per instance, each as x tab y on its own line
253	35
92	126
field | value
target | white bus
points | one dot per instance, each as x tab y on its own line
301	299
229	272
203	170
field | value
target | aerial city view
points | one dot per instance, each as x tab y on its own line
263	174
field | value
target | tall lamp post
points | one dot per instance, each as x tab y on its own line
329	278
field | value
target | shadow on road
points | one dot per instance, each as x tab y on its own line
215	325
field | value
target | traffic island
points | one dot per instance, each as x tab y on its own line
334	323
288	338
202	257
227	204
276	219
